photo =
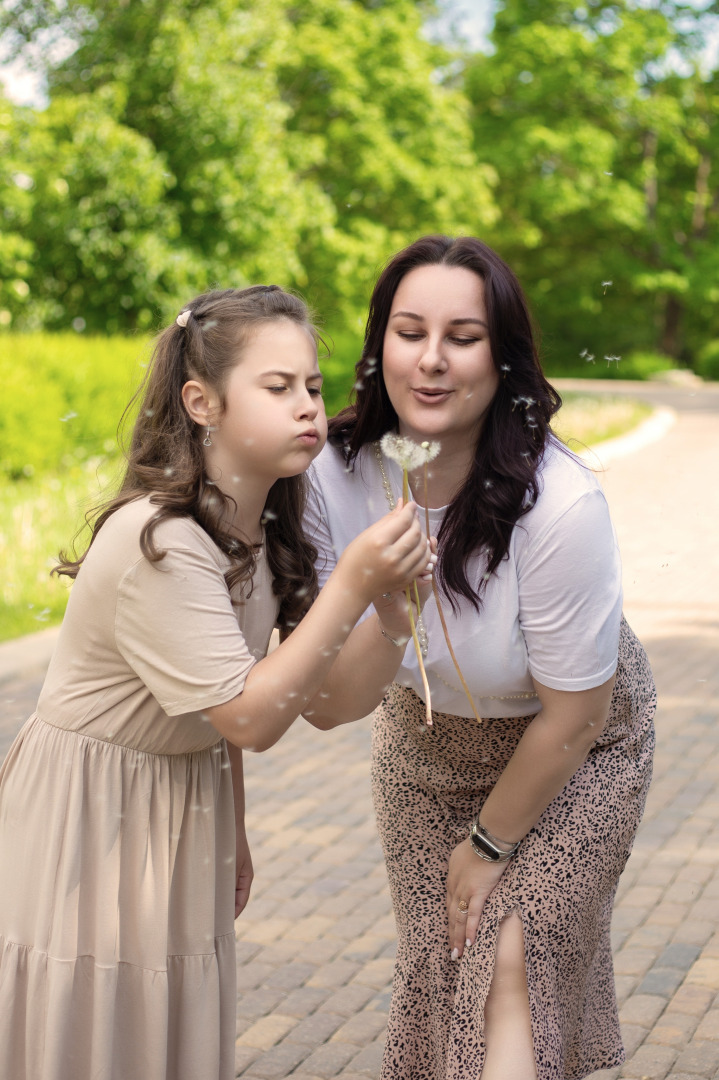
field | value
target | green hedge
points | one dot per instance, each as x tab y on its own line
634	365
64	397
708	361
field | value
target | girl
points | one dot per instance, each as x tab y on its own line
121	800
504	839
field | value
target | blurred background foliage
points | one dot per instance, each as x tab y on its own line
187	143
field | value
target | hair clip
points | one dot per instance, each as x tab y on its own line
182	318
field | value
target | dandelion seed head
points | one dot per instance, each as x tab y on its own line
168	470
505	368
267	515
408	455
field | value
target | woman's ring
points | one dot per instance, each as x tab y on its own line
463	907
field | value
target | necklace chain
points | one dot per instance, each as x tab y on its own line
421	628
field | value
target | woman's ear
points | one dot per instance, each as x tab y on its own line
200	404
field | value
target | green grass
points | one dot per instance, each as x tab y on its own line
584	420
38	518
41	514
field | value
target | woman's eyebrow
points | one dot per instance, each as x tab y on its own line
452	322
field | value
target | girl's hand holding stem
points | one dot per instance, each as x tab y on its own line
391	607
388	556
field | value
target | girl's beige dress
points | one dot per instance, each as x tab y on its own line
117	836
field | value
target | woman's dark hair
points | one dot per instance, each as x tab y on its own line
166	461
502	482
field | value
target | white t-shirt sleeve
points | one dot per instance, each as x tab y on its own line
317	529
570	597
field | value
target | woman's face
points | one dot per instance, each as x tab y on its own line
436	360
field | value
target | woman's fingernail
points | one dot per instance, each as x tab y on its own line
455	954
468	943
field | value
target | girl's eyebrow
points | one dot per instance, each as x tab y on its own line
452	322
290	375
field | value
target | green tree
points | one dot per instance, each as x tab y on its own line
301	141
598	121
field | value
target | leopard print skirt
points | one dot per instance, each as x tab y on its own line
427	786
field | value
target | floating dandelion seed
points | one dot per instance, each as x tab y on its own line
149	412
612	360
605	286
488	484
68	416
606	173
505	368
268	515
359	385
168	470
370	365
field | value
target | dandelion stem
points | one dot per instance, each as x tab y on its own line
415	638
438	601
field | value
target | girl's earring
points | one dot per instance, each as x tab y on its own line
207	441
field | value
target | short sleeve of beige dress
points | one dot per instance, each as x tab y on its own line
117	840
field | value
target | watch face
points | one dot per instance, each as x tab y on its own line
480	844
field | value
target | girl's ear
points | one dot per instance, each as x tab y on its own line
199	404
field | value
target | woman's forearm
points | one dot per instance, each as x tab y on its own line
550	751
365	667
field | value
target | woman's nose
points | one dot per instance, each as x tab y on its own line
432	358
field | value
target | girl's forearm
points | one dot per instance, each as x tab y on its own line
238	782
279	687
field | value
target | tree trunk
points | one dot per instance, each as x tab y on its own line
670	343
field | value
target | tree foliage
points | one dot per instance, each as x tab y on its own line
194	142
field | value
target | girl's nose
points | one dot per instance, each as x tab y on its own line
309	406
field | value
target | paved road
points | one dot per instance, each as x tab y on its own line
315	945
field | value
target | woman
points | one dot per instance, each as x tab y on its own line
504	839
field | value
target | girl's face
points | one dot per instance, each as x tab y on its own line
436	359
273	422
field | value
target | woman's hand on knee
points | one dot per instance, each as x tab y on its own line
470	880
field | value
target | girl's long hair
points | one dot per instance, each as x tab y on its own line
502	482
165	459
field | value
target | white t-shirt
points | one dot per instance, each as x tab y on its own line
551	609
